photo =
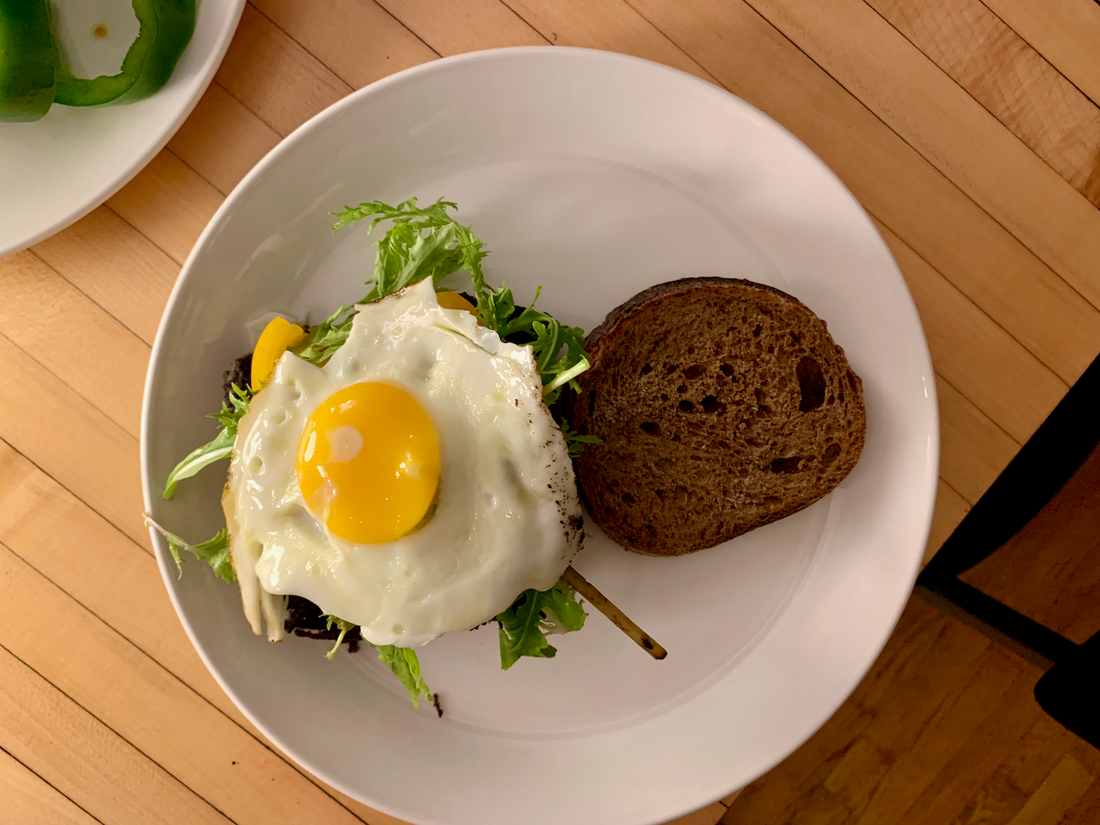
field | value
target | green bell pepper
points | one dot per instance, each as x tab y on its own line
28	60
165	29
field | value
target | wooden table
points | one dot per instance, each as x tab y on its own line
969	129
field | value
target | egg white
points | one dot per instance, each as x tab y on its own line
507	517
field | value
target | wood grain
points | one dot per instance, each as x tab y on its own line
973	449
97	357
1051	587
950	129
198	754
473	25
951	509
275	77
116	267
969	785
969	130
1060	791
1065	32
30	801
100	568
141	203
335	37
973	352
1010	79
118	581
84	450
705	816
951	716
605	24
206	135
84	759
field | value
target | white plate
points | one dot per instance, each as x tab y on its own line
58	169
595	175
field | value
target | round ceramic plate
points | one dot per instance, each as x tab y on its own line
593	175
58	169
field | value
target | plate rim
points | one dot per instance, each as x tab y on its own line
443	64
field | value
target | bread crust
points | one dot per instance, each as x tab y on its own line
723	405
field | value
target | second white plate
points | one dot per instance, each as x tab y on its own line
56	170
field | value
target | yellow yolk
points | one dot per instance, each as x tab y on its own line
368	463
453	300
276	338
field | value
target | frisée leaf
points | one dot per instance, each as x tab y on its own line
214	551
421	243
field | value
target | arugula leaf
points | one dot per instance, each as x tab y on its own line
574	441
421	243
406	667
402	661
547	337
215	450
558	369
524	625
214	551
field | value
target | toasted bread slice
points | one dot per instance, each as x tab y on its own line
722	405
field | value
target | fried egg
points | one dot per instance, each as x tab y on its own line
414	485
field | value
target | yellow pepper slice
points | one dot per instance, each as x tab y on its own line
454	300
277	337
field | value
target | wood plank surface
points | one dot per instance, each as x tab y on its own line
1065	32
28	800
969	130
950	129
1010	80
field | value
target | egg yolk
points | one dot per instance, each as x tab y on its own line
368	463
276	338
453	300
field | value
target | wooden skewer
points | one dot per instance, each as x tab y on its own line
617	617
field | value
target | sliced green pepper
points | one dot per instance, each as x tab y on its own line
165	30
28	60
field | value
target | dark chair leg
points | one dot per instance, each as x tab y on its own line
1070	691
1060	445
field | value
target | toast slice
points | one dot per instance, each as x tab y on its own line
722	404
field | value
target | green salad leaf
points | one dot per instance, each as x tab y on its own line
534	614
428	242
344	628
324	339
405	665
421	243
574	441
558	349
402	661
214	551
221	446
